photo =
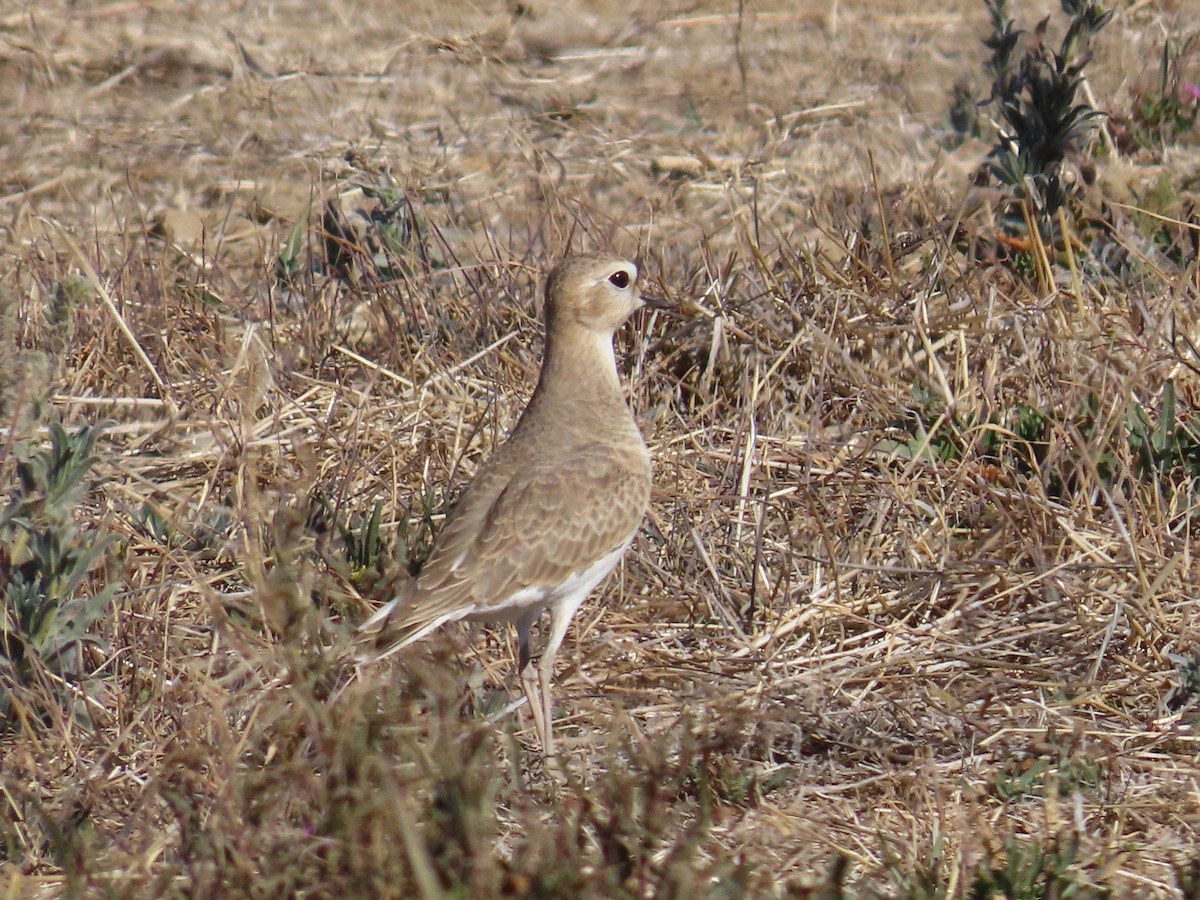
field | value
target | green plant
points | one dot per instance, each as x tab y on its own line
963	115
363	543
1036	95
1188	680
367	561
1172	111
1187	878
936	434
367	558
155	524
387	238
289	262
926	881
394	222
44	561
1033	871
1168	444
1162	447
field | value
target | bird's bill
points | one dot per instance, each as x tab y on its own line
662	304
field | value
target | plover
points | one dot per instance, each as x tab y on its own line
557	505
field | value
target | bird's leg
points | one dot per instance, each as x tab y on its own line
529	683
560	617
545	676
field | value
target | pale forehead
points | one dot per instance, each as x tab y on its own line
597	267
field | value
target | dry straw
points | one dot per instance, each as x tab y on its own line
883	623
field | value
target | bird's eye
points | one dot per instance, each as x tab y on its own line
619	279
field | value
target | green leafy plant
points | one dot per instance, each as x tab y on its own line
289	262
45	558
1172	110
394	222
387	237
155	524
936	435
927	881
1036	93
1166	445
367	557
1187	683
363	543
1033	871
1187	878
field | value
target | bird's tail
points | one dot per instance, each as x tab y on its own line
390	628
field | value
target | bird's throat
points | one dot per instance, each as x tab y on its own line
580	364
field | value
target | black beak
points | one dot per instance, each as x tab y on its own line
662	304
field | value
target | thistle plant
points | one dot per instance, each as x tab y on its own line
46	609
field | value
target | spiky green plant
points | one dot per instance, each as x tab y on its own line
47	610
1036	93
289	262
1033	870
1172	443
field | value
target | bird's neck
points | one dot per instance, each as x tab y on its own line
580	363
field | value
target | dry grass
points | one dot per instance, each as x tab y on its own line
867	639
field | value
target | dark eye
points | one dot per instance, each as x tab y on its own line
620	279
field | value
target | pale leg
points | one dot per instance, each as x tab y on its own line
560	617
529	683
545	675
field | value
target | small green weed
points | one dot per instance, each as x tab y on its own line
1168	445
1188	681
1163	447
1171	111
1187	878
369	556
289	262
44	561
388	238
1034	871
926	882
364	546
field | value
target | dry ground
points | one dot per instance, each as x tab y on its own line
851	646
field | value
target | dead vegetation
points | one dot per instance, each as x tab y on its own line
912	614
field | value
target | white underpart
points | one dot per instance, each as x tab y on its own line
567	596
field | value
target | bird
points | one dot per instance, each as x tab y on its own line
554	509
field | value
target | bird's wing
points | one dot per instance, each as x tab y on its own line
518	527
